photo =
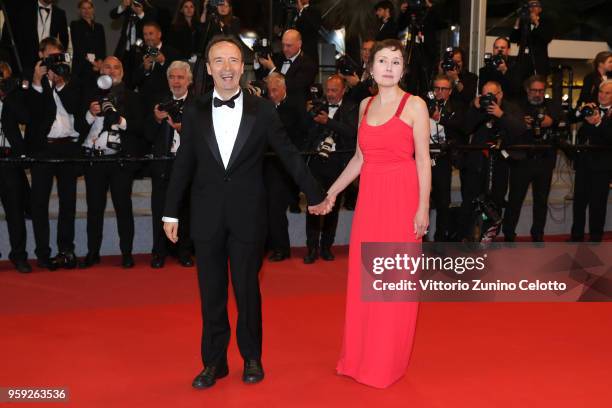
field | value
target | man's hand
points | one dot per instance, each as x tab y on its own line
495	110
324	207
503	67
94	108
161	58
351	80
147	62
528	121
39	72
266	62
453	75
322	118
175	125
171	230
159	115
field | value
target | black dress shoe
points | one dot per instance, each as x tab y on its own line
186	260
537	238
22	266
253	372
157	261
47	263
312	256
278	256
89	261
326	254
209	376
66	260
127	261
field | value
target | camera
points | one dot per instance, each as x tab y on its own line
434	104
8	85
262	47
537	114
146	50
258	87
346	66
448	64
525	14
174	108
58	63
585	111
493	60
327	146
319	103
108	111
486	101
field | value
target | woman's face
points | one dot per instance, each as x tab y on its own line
607	65
87	11
388	67
223	9
188	9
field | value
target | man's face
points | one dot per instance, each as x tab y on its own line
605	95
493	89
86	11
291	44
112	67
49	50
334	91
501	46
535	8
151	35
366	48
381	13
442	89
178	81
458	60
535	93
225	65
277	91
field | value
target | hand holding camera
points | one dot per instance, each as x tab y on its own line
321	118
94	108
266	62
160	116
488	104
39	72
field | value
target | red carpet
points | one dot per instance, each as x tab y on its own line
130	338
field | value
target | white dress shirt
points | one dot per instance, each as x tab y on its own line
43	25
63	125
331	112
226	122
287	64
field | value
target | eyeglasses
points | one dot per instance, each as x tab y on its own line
440	89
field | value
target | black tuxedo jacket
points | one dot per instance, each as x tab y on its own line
595	160
154	82
300	76
387	31
293	115
537	42
234	199
308	25
150	14
14	113
43	112
590	88
25	28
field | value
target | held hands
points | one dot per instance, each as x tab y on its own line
421	222
324	207
171	230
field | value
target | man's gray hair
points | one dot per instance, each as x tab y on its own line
276	77
180	65
605	83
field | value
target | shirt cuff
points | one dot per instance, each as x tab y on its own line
169	219
37	88
89	118
122	123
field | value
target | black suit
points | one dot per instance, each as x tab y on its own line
510	81
590	88
470	86
230	222
153	82
116	176
308	24
86	39
185	40
387	31
533	51
343	129
160	135
300	76
280	186
43	112
24	23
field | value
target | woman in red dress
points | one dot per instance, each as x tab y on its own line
392	159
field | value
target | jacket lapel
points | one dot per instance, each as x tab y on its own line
247	122
205	106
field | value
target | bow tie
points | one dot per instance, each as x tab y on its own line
229	103
287	61
333	105
47	9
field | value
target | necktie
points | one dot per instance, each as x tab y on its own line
229	103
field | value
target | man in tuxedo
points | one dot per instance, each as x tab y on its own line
31	24
225	136
150	75
308	22
502	70
464	82
299	69
163	131
53	132
333	128
388	27
279	184
533	34
113	135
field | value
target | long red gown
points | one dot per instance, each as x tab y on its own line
378	336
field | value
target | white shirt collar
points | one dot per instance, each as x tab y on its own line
182	98
295	56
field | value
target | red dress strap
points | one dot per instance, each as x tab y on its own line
401	105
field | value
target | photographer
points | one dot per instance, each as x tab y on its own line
464	82
13	182
308	23
52	132
593	167
500	67
602	70
446	126
150	75
299	69
115	118
334	128
358	79
494	121
533	34
164	133
533	167
220	18
280	187
384	12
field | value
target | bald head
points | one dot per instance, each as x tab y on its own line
292	43
113	67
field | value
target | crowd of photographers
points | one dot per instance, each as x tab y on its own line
92	114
